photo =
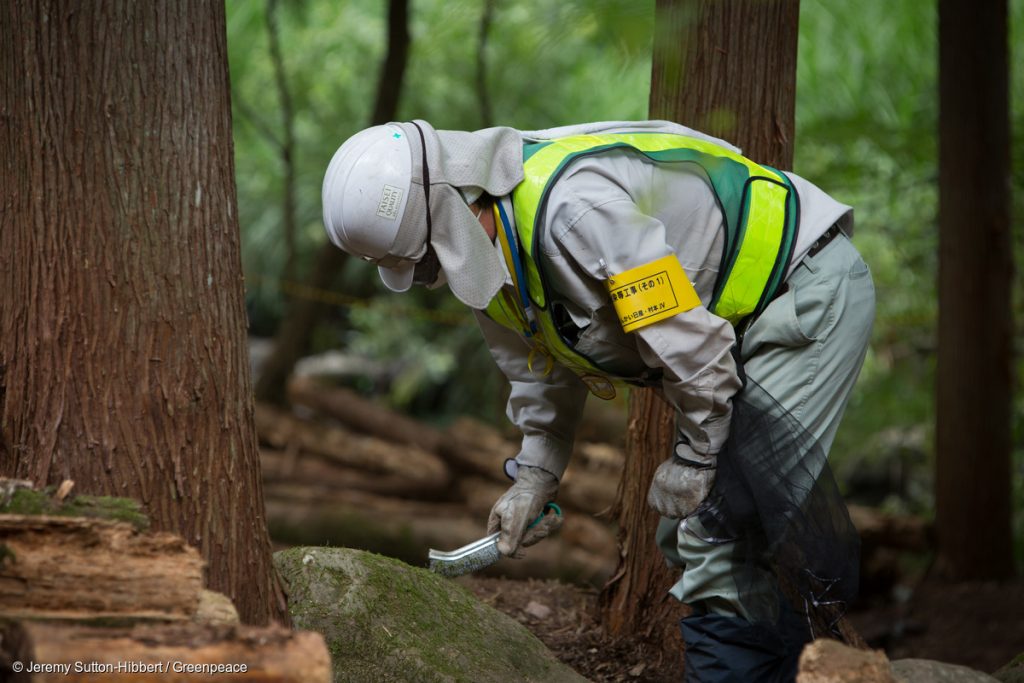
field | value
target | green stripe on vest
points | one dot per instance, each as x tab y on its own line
759	209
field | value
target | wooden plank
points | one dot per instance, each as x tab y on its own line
80	568
177	653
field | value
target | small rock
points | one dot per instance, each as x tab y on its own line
637	670
537	610
215	609
829	661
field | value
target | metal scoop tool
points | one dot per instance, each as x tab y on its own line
478	554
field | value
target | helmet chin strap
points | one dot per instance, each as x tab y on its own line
428	271
426	180
471	268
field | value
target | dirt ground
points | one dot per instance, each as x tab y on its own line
980	625
563	617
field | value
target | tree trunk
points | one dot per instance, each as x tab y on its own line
975	358
122	328
734	74
635	601
293	336
727	67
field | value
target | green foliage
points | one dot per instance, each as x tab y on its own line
866	121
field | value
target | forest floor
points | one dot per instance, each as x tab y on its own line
979	625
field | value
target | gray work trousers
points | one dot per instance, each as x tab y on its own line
806	350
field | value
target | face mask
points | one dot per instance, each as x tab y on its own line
441	281
427	272
427	269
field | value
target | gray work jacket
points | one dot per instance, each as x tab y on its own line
607	214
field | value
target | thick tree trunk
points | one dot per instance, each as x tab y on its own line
975	360
122	327
727	67
636	601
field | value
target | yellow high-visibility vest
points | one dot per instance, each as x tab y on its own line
759	208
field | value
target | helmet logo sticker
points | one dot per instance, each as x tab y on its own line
390	200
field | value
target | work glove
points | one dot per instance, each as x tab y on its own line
681	483
520	506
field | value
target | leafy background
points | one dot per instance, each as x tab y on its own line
867	116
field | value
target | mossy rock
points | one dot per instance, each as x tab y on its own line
386	621
1012	672
31	502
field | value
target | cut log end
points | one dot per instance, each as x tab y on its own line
181	653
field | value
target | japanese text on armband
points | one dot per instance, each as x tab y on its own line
651	292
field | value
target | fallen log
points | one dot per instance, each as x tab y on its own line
301	496
878	529
284	431
591	492
78	568
584	550
480	493
589	484
361	414
474	447
304	469
178	653
401	528
599	457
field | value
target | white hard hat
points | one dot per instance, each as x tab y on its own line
365	193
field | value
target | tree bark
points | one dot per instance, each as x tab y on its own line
635	601
292	339
975	358
727	67
733	73
122	328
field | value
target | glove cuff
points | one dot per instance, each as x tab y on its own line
533	476
685	455
513	467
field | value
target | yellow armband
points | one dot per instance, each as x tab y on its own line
651	292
